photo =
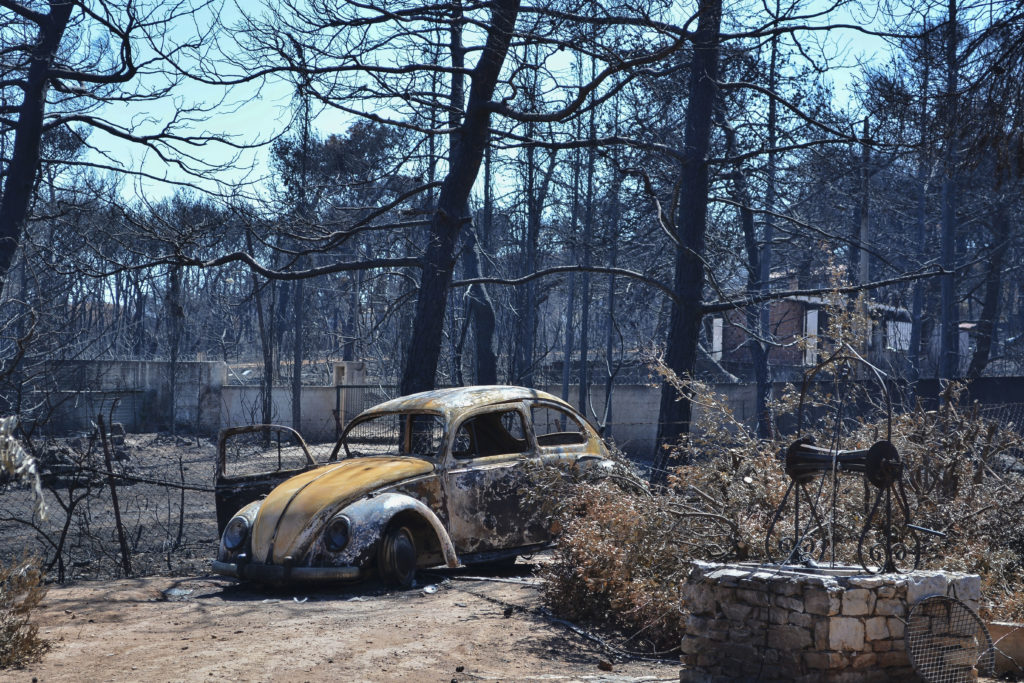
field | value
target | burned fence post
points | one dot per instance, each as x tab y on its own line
126	560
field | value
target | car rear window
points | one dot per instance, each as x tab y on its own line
556	427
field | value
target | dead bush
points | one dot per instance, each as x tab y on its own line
21	590
621	555
624	550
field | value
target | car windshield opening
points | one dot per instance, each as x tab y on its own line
396	434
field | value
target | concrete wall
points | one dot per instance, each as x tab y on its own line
240	405
139	393
71	393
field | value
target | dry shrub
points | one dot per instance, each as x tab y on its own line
621	556
624	551
957	478
21	590
959	481
618	564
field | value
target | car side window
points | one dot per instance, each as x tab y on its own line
556	427
495	433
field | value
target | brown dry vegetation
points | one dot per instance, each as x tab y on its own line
625	549
21	591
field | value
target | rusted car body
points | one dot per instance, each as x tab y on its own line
433	478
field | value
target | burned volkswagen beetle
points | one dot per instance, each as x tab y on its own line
435	478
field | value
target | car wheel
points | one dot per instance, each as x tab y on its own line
396	557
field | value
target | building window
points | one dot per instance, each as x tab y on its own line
811	335
897	335
716	339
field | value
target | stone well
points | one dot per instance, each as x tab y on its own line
783	623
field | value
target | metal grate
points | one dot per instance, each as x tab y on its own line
947	642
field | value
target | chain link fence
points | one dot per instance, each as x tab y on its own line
163	485
163	520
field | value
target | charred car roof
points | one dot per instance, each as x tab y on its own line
457	400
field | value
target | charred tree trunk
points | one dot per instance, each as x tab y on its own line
588	234
481	312
570	305
424	347
298	353
949	351
754	315
175	321
266	347
761	350
480	306
28	132
985	333
917	305
691	226
609	347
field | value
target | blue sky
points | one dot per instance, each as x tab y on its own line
252	117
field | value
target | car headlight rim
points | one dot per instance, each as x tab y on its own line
236	533
337	533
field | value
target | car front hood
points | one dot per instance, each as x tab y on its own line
288	510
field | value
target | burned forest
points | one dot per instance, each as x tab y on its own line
710	228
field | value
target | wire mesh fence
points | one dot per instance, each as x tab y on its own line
164	490
164	487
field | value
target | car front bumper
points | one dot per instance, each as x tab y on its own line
280	574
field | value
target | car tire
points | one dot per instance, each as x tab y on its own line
396	557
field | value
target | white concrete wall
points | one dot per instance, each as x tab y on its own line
74	391
634	420
204	402
240	405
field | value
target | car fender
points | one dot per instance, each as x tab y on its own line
249	512
370	516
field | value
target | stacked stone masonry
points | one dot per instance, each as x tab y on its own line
772	623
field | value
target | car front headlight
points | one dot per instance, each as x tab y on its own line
336	533
236	533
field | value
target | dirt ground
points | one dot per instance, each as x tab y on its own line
452	627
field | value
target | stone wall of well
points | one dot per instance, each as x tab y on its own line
774	623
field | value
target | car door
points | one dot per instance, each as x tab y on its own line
251	461
484	480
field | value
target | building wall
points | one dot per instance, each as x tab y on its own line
786	321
